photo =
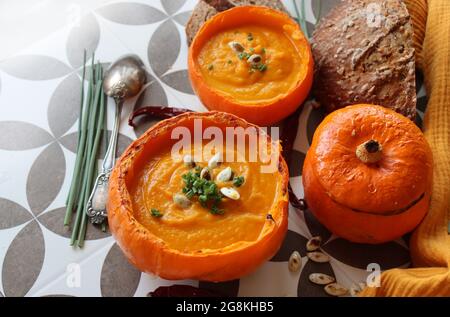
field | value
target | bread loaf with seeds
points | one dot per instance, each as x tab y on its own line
363	53
206	9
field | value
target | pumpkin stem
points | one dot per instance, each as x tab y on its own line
369	151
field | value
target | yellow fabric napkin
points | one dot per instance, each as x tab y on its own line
430	243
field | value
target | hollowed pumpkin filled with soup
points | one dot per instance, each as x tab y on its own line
253	62
198	210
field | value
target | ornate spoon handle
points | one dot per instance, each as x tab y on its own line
96	205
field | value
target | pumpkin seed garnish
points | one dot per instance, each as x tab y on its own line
254	59
182	201
215	160
295	262
236	46
188	161
224	175
314	243
321	279
334	289
318	257
205	173
230	193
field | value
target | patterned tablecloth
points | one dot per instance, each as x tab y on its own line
39	102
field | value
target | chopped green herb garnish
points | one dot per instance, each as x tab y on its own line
263	50
211	67
243	55
216	210
156	213
230	61
262	67
252	50
198	169
207	191
250	36
238	181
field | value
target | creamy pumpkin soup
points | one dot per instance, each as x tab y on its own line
195	206
252	64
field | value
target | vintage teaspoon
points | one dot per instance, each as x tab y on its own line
124	79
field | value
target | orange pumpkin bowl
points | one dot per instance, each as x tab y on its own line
368	173
152	254
297	67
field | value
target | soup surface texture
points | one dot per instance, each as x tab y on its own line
196	228
231	73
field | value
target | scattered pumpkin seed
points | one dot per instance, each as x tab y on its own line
188	161
230	193
334	289
362	285
205	173
215	160
314	243
254	59
318	257
224	175
182	201
321	279
236	46
355	289
295	262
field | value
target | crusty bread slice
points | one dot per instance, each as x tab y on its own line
363	53
205	9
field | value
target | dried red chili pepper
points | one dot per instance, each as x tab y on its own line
160	112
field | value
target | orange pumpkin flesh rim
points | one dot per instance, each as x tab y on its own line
342	202
149	253
261	114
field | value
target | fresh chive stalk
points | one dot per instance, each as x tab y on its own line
75	184
86	157
80	118
92	124
301	15
92	160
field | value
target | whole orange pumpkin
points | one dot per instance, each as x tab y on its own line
367	176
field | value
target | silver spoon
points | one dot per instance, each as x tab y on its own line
124	79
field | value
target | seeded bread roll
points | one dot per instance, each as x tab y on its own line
206	9
363	53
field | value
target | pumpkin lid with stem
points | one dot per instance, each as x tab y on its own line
371	159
